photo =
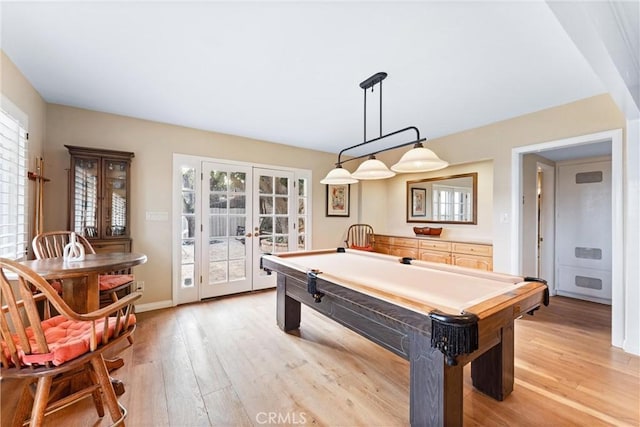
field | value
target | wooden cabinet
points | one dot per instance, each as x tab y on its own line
397	246
100	197
473	255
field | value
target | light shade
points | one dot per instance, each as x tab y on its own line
339	175
419	159
372	169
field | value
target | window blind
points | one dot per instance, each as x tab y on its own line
13	187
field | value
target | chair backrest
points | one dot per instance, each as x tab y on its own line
26	299
51	244
360	236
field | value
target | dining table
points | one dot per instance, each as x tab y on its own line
81	288
80	283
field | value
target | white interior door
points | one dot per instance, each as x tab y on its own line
274	220
584	230
226	218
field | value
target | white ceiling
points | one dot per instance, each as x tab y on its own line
288	72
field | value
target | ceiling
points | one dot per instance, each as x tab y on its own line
288	72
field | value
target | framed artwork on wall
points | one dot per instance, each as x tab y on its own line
338	199
418	202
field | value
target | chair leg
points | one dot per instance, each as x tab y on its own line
107	389
97	396
40	401
25	403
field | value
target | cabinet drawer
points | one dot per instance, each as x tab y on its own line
108	246
471	261
382	240
404	252
405	242
435	256
381	249
472	249
435	245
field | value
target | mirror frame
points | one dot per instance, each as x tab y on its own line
409	206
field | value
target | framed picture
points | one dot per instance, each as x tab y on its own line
418	202
338	199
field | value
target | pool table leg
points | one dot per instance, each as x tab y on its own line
435	391
492	372
288	310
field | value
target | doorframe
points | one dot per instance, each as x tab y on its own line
548	220
176	206
617	215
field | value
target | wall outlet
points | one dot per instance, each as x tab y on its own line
140	285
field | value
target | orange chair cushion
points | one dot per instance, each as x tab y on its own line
110	281
67	339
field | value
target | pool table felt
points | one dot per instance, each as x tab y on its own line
421	286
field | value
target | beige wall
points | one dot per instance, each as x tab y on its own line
154	144
395	190
17	89
496	141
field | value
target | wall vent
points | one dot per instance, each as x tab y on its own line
589	282
588	177
588	253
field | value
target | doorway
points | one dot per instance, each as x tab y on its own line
226	215
585	145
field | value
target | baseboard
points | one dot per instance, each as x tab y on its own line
140	308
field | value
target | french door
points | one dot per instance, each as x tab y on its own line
226	209
229	215
273	221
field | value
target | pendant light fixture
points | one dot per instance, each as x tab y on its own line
418	159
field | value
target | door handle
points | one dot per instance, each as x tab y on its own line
248	235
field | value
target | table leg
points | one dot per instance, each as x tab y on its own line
492	372
82	292
288	309
435	391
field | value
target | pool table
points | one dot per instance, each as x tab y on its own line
437	316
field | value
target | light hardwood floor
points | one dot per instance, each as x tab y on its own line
225	362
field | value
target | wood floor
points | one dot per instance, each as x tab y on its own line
225	363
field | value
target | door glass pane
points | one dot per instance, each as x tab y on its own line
188	226
266	185
218	203
266	244
217	272
266	205
217	226
282	244
237	270
302	187
237	182
282	186
282	225
266	225
218	249
301	244
186	276
302	206
237	204
218	181
282	205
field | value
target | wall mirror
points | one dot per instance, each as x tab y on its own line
445	200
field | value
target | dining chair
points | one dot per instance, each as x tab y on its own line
360	236
51	245
52	352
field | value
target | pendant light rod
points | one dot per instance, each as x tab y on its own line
417	140
418	159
